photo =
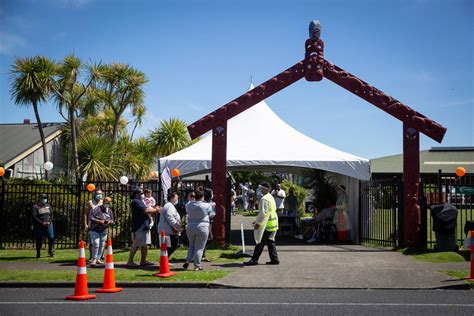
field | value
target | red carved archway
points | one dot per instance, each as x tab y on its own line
314	68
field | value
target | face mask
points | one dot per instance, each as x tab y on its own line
98	197
142	196
44	201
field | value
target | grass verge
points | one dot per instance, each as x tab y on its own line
213	254
427	255
460	274
97	275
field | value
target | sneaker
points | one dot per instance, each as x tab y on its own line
311	240
300	237
186	265
204	259
197	268
93	263
100	261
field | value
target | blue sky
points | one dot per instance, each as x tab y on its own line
198	55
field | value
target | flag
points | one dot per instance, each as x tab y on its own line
166	181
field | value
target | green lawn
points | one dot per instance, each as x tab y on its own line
97	275
213	253
460	274
427	255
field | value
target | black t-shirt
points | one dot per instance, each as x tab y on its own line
139	215
44	213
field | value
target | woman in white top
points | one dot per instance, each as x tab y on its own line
170	221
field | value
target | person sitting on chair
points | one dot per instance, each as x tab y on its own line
327	213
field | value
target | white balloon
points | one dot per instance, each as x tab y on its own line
48	165
123	180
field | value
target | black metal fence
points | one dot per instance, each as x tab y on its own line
444	188
68	201
380	212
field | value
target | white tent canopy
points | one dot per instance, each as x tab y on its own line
257	139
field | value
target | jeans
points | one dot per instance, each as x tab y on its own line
98	240
197	242
40	231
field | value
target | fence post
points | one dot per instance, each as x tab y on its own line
2	213
78	209
440	188
400	214
424	216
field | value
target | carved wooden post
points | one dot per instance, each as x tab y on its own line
219	170
411	180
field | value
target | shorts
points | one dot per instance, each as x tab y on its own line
142	238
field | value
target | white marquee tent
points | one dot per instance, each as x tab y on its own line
257	139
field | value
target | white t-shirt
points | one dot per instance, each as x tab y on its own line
279	197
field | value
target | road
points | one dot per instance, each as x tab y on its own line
182	301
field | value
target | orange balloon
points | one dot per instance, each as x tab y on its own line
2	171
90	187
460	171
175	172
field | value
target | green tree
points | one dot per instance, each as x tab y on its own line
70	93
170	137
139	113
31	83
96	158
121	87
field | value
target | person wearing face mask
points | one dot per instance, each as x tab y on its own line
100	219
141	236
90	205
170	221
42	224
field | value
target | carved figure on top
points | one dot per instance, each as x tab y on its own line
314	30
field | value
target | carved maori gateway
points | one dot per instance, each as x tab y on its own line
314	68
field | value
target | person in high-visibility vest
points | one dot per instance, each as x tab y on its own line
265	227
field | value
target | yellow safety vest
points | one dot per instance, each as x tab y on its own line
272	223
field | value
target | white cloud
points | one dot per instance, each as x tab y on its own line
8	42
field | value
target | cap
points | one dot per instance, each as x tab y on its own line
44	196
137	190
265	184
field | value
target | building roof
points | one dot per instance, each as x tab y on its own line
19	140
445	158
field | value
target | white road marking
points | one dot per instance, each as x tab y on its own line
236	303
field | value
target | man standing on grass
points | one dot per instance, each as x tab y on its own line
141	235
265	227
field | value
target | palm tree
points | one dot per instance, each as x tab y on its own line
170	137
138	112
31	83
70	93
96	158
121	87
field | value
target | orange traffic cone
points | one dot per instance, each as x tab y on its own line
164	265
81	291
109	274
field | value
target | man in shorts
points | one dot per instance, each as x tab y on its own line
141	235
